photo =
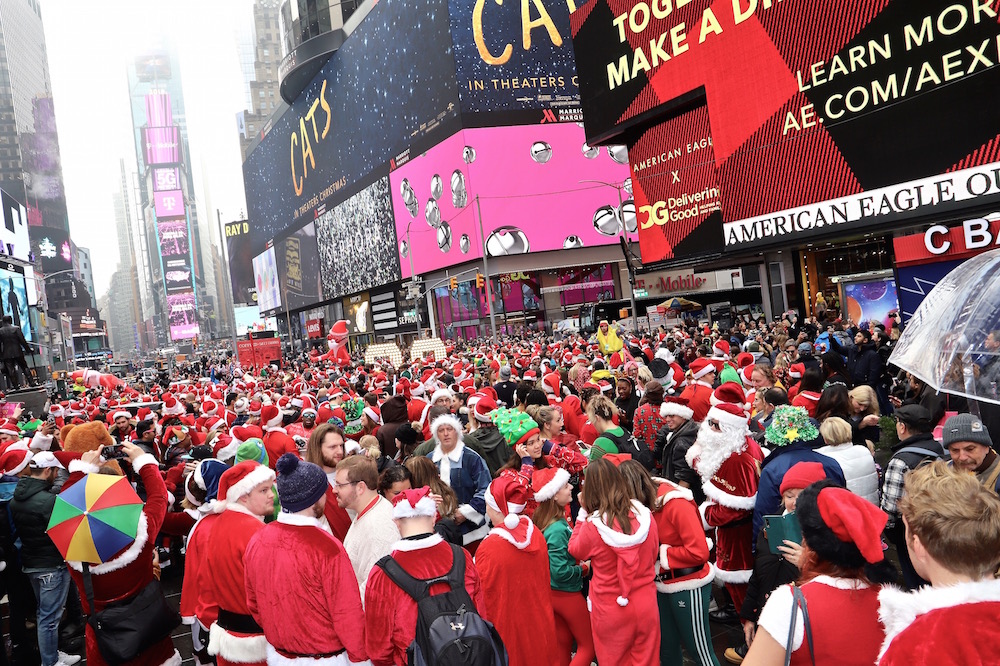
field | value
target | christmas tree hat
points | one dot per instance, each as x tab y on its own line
789	425
516	427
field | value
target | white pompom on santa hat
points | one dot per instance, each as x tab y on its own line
507	497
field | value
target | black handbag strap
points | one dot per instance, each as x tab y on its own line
88	587
799	600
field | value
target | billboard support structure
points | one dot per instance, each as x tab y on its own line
486	271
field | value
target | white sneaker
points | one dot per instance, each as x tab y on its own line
67	659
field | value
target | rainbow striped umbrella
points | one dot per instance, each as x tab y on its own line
95	519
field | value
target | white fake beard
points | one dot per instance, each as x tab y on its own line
716	448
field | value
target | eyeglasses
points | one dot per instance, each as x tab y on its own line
714	424
349	483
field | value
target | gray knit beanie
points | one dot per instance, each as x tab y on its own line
300	483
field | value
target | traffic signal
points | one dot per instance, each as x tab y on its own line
453	283
480	281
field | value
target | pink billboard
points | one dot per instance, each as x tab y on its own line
532	189
173	238
183	315
166	179
169	204
163	145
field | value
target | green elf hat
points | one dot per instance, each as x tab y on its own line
789	425
729	374
516	427
252	449
353	409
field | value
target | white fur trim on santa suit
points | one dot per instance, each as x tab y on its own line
244	486
738	502
701	512
898	609
80	466
142	461
446	419
616	539
121	413
298	520
440	393
232	647
733	577
275	659
676	409
41	442
410	545
684	585
127	557
549	490
504	532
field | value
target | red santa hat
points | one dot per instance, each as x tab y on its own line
413	503
121	413
795	370
507	497
441	393
551	384
802	474
171	407
240	480
255	407
729	416
676	406
9	427
721	348
484	406
271	417
373	413
14	460
701	367
743	359
209	408
729	393
853	519
241	405
61	459
548	481
214	423
746	374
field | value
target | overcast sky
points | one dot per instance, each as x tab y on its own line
89	46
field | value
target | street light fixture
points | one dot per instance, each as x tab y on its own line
623	239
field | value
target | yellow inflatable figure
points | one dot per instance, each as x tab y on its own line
607	339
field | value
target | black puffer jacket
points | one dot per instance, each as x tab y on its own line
670	451
31	509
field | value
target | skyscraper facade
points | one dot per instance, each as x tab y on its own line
261	72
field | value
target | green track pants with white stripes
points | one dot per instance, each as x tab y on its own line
684	621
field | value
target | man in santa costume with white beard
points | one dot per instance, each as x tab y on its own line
728	462
245	496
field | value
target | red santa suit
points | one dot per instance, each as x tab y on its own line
622	594
682	536
513	565
920	625
337	518
337	342
276	439
198	608
296	569
730	471
235	637
298	430
131	571
699	397
391	614
808	401
573	416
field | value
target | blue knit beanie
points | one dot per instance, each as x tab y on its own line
300	483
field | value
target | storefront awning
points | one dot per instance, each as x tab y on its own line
578	285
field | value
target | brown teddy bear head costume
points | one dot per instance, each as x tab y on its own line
90	437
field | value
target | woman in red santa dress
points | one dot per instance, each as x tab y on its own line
619	537
513	565
842	566
131	571
246	497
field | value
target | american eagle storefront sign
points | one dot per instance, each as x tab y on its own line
874	114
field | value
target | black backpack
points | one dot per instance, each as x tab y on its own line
449	629
627	443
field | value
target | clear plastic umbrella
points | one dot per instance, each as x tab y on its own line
952	342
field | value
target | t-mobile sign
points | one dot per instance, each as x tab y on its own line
169	204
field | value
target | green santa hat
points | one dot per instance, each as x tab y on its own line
516	427
789	425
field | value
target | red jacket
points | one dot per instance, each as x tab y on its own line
278	443
132	570
301	589
390	614
195	602
339	519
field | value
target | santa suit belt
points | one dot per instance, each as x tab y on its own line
238	622
670	574
318	655
737	523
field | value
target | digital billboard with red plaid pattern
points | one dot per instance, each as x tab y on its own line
805	118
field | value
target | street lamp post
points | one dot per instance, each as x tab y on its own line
623	239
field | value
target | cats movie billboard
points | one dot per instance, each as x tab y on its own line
878	113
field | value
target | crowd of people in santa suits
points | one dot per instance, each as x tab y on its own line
594	495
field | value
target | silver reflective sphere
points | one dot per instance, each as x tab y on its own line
459	195
541	152
572	242
404	185
627	185
590	152
444	237
412	207
468	154
437	187
432	213
627	215
606	221
507	240
618	154
464	244
404	248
